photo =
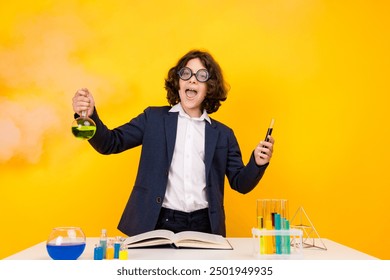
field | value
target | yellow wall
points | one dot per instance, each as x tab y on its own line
320	68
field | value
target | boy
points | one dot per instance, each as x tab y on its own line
185	154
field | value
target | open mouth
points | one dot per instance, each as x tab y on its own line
190	93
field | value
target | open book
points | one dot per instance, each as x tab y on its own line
185	239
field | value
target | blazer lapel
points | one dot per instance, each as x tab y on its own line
170	134
211	135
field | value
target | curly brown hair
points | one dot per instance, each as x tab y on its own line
217	88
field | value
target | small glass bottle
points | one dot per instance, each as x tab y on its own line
117	247
110	250
123	253
103	242
98	252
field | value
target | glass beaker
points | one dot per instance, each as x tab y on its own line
66	243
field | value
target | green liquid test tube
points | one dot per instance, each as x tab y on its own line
286	241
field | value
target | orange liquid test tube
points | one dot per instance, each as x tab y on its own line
269	238
110	252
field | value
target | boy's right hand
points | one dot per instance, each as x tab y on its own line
83	101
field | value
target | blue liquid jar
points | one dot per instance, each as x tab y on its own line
66	243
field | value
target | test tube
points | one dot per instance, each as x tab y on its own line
261	225
286	226
264	215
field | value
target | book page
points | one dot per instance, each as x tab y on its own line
197	239
150	238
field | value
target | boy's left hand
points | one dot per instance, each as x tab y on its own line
264	150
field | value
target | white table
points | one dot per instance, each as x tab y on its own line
243	250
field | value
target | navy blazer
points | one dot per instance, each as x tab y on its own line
155	130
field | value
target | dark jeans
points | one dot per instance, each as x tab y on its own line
178	221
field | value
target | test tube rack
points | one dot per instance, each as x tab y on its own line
290	241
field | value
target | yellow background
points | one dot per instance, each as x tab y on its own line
320	68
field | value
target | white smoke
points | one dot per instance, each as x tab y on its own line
38	76
23	129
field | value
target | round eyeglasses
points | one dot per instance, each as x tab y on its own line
185	73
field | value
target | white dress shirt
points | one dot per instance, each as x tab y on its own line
186	188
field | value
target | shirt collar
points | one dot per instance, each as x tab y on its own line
179	108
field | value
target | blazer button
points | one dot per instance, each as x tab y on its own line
158	199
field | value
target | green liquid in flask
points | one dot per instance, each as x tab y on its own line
84	132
